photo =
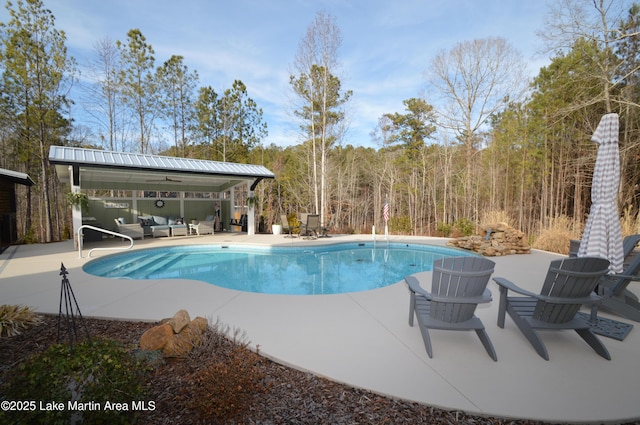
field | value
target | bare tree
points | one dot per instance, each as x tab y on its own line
102	96
594	28
475	80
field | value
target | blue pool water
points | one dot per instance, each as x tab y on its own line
325	269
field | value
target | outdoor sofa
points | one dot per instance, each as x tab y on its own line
156	226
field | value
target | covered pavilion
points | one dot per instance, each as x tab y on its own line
156	176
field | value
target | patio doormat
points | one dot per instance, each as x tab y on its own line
608	327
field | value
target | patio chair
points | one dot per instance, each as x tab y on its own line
616	298
458	285
629	244
574	245
310	227
205	227
239	221
134	231
302	220
285	225
568	285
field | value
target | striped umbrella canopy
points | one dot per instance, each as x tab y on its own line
602	236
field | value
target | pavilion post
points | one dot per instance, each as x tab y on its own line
76	210
251	225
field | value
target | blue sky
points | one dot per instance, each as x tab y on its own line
387	45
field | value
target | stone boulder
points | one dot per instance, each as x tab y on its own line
179	321
175	336
494	240
156	338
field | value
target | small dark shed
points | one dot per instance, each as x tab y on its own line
8	205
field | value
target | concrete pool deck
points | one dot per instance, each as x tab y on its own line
363	339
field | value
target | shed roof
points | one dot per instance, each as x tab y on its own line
16	177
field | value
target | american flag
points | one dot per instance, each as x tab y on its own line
385	210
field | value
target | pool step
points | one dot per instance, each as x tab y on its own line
129	267
161	263
153	264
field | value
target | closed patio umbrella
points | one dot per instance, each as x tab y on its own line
602	236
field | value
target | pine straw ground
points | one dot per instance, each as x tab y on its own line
290	396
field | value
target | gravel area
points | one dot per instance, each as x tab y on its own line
290	397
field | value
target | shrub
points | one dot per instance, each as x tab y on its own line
464	226
400	225
30	236
214	341
14	319
97	371
444	229
294	223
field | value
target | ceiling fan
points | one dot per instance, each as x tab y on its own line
166	179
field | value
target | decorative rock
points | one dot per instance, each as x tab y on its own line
156	338
179	345
176	336
200	324
179	321
495	240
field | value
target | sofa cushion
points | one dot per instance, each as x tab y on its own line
146	221
174	220
159	220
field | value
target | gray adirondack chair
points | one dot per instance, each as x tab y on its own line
568	285
616	298
629	244
458	285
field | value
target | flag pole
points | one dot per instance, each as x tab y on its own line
385	215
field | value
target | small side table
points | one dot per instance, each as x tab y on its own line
193	228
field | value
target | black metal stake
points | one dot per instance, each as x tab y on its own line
67	296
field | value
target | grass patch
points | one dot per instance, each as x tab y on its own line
557	236
15	319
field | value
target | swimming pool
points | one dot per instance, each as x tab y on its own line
309	270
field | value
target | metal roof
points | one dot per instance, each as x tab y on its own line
138	161
16	177
98	169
